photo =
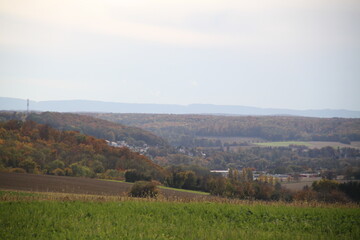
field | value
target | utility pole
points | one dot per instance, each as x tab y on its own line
27	112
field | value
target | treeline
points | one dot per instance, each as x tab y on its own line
38	148
182	129
241	185
277	160
326	190
285	159
90	126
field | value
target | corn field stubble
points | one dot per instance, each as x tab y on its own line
25	215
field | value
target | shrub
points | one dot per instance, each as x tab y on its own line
58	172
305	195
337	196
144	189
17	170
68	172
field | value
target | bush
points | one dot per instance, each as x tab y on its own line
306	195
68	172
144	189
58	172
17	170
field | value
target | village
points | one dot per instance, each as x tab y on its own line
139	149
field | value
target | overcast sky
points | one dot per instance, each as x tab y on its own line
298	54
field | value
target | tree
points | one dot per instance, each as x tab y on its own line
81	171
217	185
28	165
56	164
325	185
97	166
246	175
133	175
351	189
190	180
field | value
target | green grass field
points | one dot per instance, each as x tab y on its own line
310	144
149	219
283	144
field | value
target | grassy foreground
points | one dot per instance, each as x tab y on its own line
148	219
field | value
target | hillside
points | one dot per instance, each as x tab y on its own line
187	129
36	148
90	126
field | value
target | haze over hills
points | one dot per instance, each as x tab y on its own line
115	107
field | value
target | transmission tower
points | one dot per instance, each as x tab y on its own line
27	111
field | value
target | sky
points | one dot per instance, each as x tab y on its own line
298	54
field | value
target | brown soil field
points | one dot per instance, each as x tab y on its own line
296	186
47	183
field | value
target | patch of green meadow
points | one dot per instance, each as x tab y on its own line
283	144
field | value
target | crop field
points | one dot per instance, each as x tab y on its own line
235	139
50	207
310	144
26	215
46	183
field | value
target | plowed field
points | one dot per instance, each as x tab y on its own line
46	183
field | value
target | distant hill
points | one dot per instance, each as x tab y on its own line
115	107
90	126
185	129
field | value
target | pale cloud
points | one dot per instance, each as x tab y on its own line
54	84
251	24
155	93
93	17
194	83
155	50
40	88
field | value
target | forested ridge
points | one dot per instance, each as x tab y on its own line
179	129
90	126
37	148
287	159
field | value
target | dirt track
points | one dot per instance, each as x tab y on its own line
46	183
